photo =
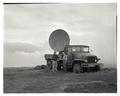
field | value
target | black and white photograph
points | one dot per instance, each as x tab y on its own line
60	48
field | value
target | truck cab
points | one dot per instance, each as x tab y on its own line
80	58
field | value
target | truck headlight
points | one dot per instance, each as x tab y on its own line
95	60
86	61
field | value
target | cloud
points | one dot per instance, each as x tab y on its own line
18	54
21	47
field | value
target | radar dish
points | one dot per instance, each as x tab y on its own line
58	40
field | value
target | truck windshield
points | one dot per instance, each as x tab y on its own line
80	49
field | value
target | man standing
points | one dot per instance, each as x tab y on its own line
54	62
64	61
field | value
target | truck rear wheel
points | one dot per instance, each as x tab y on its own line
59	66
77	68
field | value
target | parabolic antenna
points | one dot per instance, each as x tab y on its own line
58	39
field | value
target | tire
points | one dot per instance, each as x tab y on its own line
59	66
97	68
77	68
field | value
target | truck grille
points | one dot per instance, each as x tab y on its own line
91	59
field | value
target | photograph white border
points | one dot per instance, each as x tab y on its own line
57	1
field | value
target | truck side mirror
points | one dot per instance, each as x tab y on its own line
99	59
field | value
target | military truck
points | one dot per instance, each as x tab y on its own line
79	57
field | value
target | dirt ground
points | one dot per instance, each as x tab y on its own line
28	80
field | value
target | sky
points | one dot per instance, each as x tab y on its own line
27	28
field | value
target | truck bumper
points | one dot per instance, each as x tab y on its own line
91	64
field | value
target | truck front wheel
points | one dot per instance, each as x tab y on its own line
97	68
77	68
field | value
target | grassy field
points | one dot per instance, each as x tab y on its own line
28	80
